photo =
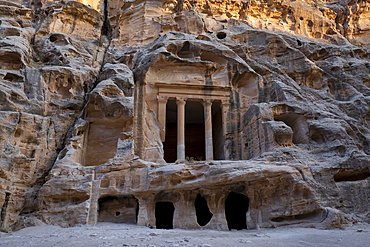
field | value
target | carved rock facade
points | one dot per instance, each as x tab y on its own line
185	114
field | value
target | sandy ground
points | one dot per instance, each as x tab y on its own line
110	234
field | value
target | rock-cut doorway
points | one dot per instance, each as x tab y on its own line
236	207
164	215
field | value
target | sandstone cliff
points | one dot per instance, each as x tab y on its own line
90	89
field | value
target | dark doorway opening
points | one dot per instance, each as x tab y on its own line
164	215
137	210
194	131
3	209
122	209
236	207
217	132
202	211
170	144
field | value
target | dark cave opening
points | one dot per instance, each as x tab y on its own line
164	215
202	211
352	175
221	35
236	207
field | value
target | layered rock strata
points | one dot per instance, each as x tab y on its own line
172	113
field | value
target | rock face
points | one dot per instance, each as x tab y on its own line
185	114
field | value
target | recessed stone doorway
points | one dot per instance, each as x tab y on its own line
164	215
236	207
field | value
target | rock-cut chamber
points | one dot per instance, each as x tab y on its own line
236	207
164	215
121	209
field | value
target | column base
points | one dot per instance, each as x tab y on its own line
180	161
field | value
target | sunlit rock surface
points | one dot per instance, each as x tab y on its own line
91	93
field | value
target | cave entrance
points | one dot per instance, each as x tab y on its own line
202	211
121	209
3	209
236	207
194	131
164	215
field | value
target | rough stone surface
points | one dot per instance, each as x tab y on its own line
106	234
89	92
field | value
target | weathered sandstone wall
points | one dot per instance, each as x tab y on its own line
84	135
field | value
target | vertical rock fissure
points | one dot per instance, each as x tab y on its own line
3	210
38	18
105	31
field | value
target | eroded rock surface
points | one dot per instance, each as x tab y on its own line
47	71
149	112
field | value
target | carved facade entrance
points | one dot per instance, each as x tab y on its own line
185	81
188	99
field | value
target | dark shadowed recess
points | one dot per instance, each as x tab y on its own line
164	215
352	175
236	207
202	211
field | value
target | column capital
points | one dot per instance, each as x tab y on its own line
181	100
162	99
225	103
207	102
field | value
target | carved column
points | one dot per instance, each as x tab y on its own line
225	106
208	128
162	101
180	128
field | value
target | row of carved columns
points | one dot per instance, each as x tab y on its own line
181	101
